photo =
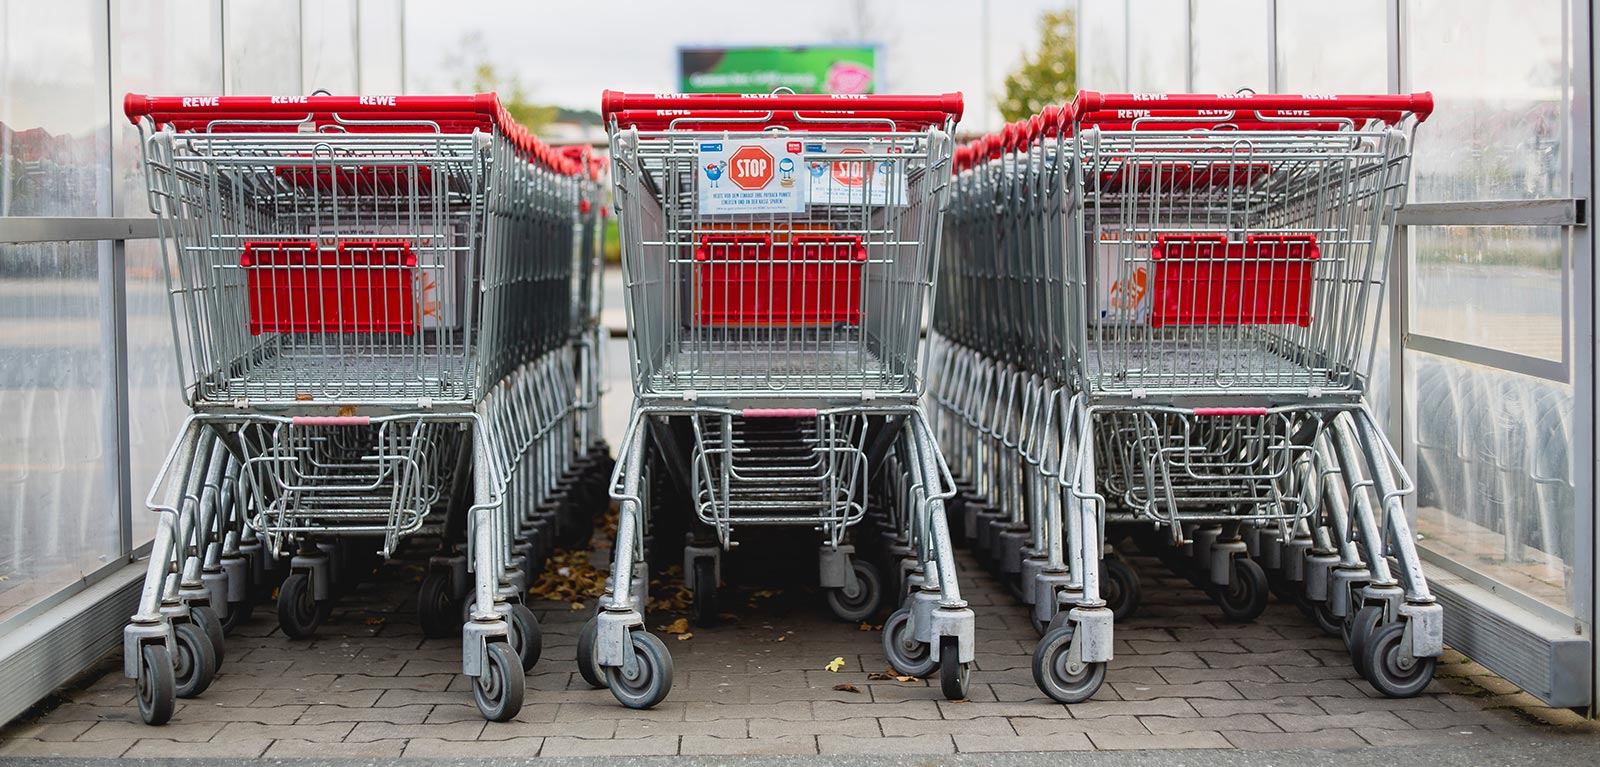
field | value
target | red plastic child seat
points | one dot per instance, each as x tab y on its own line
362	286
748	280
1202	279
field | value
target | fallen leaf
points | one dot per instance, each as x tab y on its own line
678	626
686	635
878	676
780	639
846	688
374	621
765	594
865	626
835	664
577	606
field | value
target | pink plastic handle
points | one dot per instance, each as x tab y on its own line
332	420
617	101
1420	104
1219	411
779	412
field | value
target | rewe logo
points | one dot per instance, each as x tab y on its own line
850	173
750	168
377	101
200	101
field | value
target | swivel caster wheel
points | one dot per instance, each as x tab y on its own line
649	680
1245	596
156	683
299	612
858	605
1119	586
1058	675
499	690
1359	627
905	654
955	677
238	614
438	610
1389	670
525	636
211	625
194	665
587	667
703	585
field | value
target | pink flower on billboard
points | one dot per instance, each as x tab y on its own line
849	77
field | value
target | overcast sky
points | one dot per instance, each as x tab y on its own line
566	52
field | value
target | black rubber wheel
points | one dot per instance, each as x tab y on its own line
587	667
238	614
499	690
906	655
437	608
1245	596
526	637
1052	671
860	605
1120	587
194	664
1387	669
651	677
1360	627
1282	588
157	687
704	586
1322	615
299	614
955	677
208	621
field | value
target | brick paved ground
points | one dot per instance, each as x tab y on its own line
372	687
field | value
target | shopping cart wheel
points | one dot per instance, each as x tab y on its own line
299	613
954	676
157	687
1322	615
1359	627
499	690
905	654
704	589
863	602
1245	596
194	665
238	614
1119	586
1057	675
1388	668
650	679
437	609
587	668
1282	588
206	618
527	639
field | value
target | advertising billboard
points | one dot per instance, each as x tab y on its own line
762	69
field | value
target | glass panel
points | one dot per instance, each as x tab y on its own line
1495	286
1103	45
1157	39
173	47
382	33
1499	75
1229	45
57	503
329	46
1333	47
1494	473
263	47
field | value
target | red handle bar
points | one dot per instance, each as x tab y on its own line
617	101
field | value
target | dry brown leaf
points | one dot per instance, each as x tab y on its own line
846	688
780	639
686	635
878	676
679	626
865	626
374	621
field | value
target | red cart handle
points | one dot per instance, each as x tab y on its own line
617	101
1420	104
164	109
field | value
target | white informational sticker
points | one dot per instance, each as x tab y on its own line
750	176
1122	288
878	181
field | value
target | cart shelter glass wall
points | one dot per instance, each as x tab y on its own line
1485	367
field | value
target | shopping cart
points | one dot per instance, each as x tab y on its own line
372	309
1192	286
778	252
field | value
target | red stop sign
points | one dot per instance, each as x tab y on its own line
750	168
850	173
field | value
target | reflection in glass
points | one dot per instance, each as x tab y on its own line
1494	473
329	46
1228	45
1495	286
1333	47
263	47
1158	41
381	33
1103	45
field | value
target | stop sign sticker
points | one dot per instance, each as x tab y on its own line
750	168
750	176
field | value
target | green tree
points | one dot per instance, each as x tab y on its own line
1050	74
480	76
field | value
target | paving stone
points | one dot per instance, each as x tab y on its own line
349	699
907	709
511	748
1332	738
596	728
667	711
392	715
289	748
1122	742
50	731
319	733
405	684
74	749
771	728
147	748
1346	705
1036	743
727	727
785	745
1383	720
846	744
1038	707
1197	675
988	725
1434	720
1280	658
236	678
1174	725
1274	690
127	732
1159	707
1452	735
370	731
705	712
657	745
1048	728
1218	708
1156	660
1134	691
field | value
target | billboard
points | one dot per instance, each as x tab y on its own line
761	69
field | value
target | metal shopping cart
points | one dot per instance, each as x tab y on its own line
372	310
778	253
1206	274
